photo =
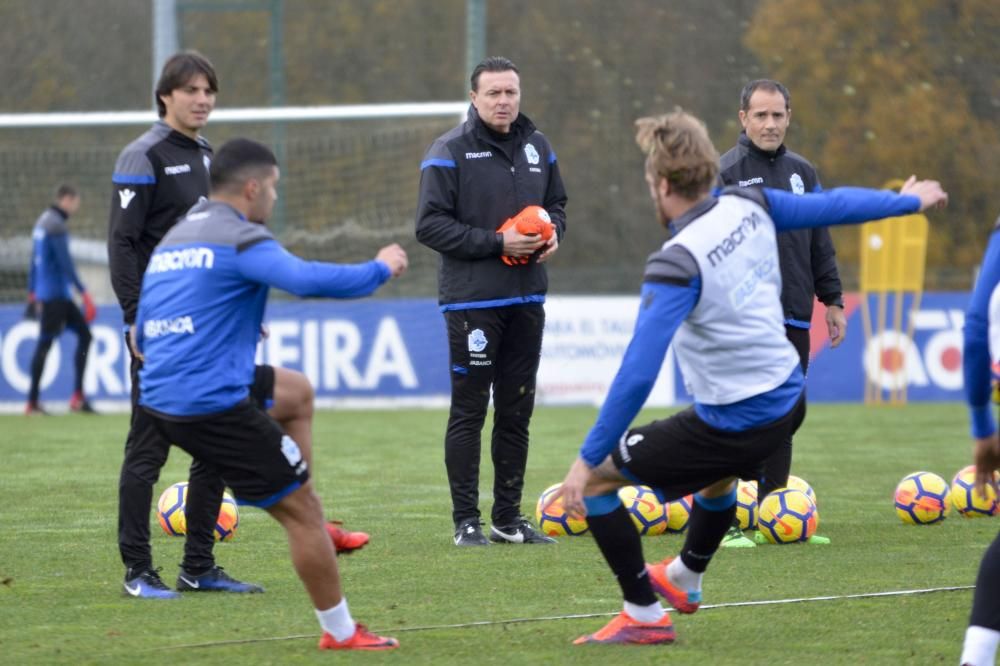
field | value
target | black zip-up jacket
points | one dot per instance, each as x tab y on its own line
471	181
807	257
157	178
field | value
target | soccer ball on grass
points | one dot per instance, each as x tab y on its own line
170	513
922	498
798	483
968	502
678	514
554	520
787	516
746	504
647	511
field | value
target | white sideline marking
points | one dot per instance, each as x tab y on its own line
577	616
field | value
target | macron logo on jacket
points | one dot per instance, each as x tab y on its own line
175	260
126	197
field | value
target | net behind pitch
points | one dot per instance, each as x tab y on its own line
347	188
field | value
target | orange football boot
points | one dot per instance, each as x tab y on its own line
361	640
684	602
624	630
344	541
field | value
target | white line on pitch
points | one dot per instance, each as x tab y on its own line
579	616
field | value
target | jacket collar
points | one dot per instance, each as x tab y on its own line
179	137
677	224
521	128
760	153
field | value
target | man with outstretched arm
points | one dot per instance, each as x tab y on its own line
712	290
200	311
981	353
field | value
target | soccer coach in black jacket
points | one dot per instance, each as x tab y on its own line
807	257
473	179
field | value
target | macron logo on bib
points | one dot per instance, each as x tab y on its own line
729	243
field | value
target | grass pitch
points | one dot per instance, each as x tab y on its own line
383	471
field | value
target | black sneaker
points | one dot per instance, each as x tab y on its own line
520	531
470	533
214	580
146	584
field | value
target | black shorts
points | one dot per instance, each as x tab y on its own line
262	389
683	454
58	314
250	452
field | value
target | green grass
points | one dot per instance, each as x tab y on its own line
383	471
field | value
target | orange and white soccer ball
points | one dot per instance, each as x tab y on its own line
170	513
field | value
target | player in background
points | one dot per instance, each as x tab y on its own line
491	288
713	290
200	311
807	257
157	178
49	279
981	352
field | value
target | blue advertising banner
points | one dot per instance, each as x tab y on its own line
395	352
366	352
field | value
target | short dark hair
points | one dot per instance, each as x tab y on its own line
238	161
492	64
66	190
178	70
767	85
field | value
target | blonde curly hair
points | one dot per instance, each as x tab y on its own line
677	148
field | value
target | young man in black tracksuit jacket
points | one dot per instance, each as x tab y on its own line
491	289
807	256
157	178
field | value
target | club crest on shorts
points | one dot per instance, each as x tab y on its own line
531	154
477	340
290	450
798	187
625	442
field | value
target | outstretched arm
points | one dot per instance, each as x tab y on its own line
976	366
851	205
269	263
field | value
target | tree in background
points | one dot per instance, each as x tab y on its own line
881	91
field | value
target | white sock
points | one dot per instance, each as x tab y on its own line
980	646
682	577
337	621
649	614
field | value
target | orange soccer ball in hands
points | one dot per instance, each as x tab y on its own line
532	221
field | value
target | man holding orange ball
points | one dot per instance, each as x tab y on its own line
492	204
